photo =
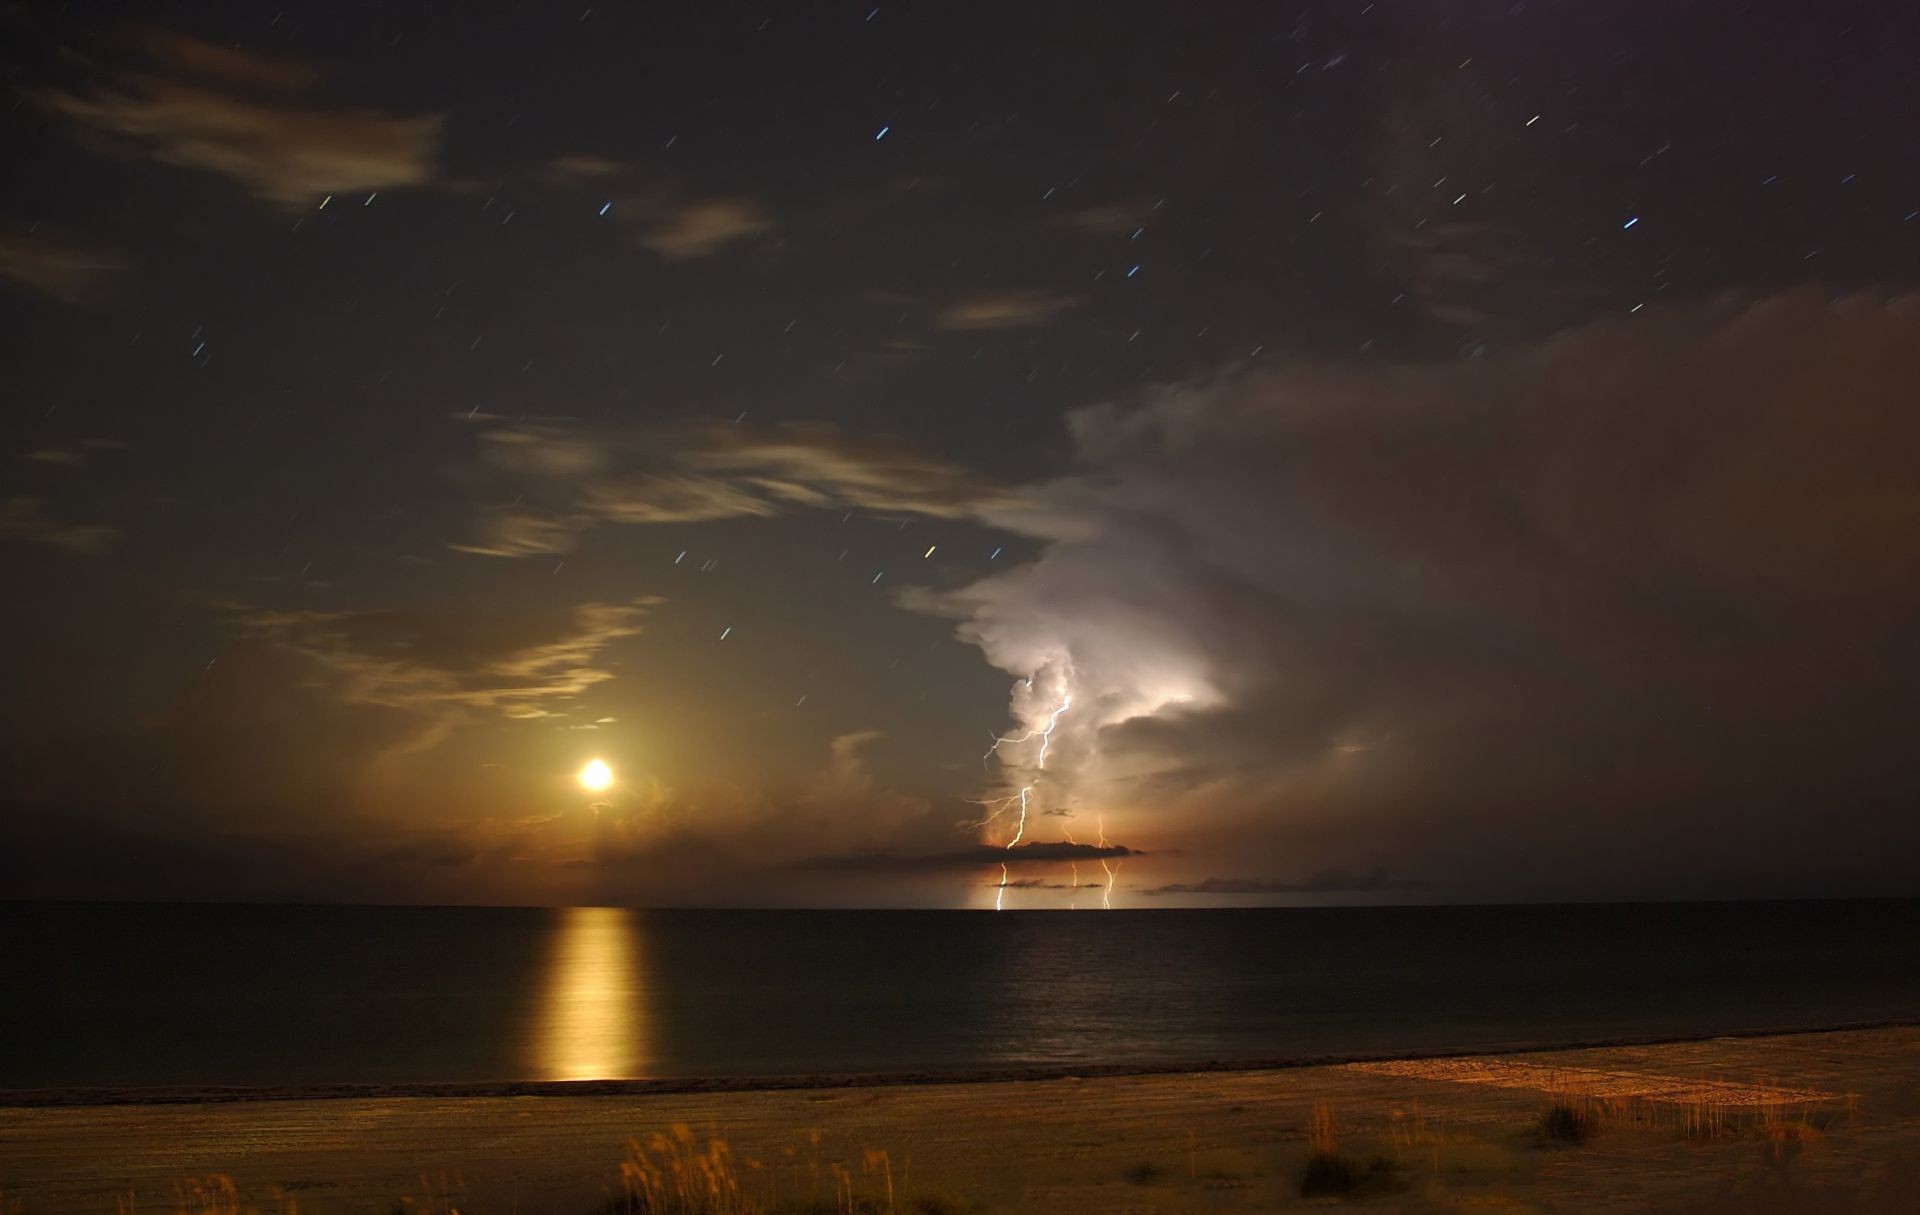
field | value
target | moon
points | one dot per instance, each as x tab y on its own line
596	776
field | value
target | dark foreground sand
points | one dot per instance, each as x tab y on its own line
1793	1123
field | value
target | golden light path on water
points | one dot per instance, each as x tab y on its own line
592	1023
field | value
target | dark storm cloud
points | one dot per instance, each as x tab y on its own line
287	152
979	857
1653	578
1327	881
42	259
701	475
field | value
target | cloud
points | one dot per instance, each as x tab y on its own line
1006	310
977	857
283	152
248	70
1327	881
24	520
703	226
1609	614
667	216
509	532
1114	219
701	475
520	666
42	259
585	168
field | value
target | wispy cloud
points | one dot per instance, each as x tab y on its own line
254	71
1112	219
666	216
41	258
1007	310
281	151
704	226
522	666
702	475
24	520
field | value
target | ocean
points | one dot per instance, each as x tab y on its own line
279	997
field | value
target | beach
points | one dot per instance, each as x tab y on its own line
1791	1122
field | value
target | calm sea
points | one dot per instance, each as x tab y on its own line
277	996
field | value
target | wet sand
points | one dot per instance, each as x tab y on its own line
1788	1123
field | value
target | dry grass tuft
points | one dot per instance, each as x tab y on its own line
679	1174
1567	1121
1328	1171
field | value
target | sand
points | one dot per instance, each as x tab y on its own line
1789	1123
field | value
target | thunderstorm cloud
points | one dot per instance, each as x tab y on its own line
1503	622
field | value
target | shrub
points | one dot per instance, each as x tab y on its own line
1564	1123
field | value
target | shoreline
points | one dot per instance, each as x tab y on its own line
80	1097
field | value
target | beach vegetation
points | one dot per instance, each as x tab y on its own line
1568	1123
1330	1171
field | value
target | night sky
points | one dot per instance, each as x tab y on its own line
1352	451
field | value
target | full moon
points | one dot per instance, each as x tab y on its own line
595	776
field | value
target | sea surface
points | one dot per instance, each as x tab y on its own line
277	997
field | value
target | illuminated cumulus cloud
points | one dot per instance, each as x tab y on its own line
563	483
1497	622
42	259
519	665
1007	310
25	520
229	112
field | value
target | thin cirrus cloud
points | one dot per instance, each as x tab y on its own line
703	227
521	666
26	521
42	259
665	217
229	65
702	475
1112	219
229	112
1006	310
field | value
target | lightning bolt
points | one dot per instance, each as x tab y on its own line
1073	900
1046	744
1025	797
1106	895
1020	830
